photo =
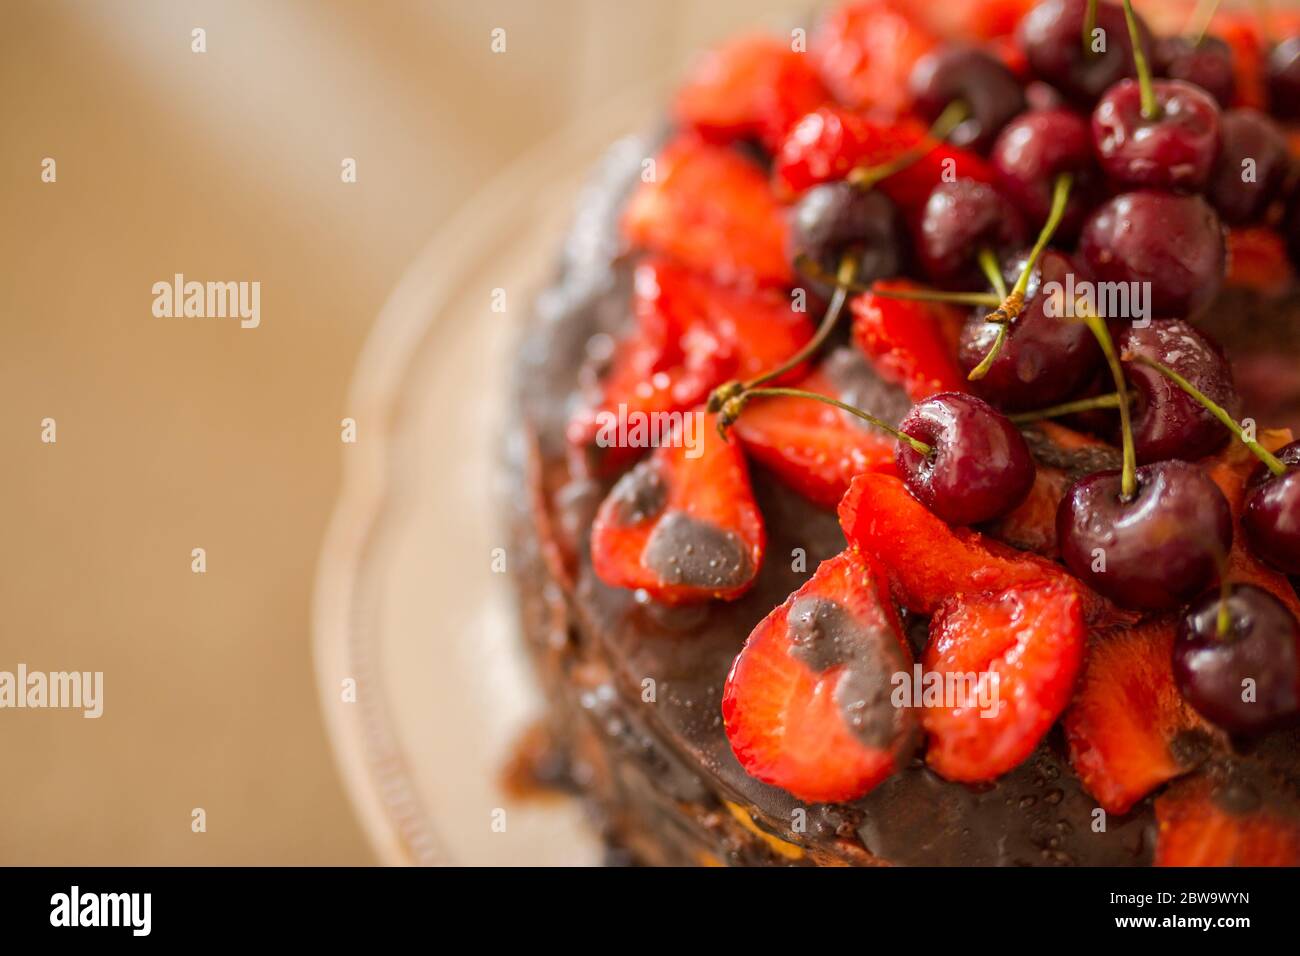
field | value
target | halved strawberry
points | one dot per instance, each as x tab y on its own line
682	524
927	561
865	51
1022	649
910	343
830	141
1230	470
810	446
1201	824
1129	729
1257	259
751	86
710	209
691	335
807	704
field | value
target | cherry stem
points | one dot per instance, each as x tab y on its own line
1199	24
1150	108
1014	301
809	267
1089	25
920	447
1275	464
1109	400
956	113
992	269
1128	476
1224	620
848	266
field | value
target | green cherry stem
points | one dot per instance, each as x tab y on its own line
1150	108
1274	464
809	267
732	410
1089	25
1199	23
1014	301
1128	476
1109	400
1223	622
956	113
992	269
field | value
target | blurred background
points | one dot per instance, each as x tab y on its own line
176	434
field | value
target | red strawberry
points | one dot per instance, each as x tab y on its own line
683	524
752	86
1025	646
912	344
1204	825
807	703
710	209
982	19
827	143
865	52
691	336
1257	260
1129	729
812	447
928	561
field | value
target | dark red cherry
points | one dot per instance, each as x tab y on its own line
981	81
1251	169
1290	226
979	467
1174	149
1036	147
1051	35
1047	356
960	219
1207	64
1167	422
1041	96
1271	521
1154	552
1246	678
1175	243
1283	73
833	218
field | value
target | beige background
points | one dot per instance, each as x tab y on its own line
174	433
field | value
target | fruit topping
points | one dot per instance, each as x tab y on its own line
1153	549
866	50
910	342
837	219
1251	168
709	208
1080	58
1129	729
752	87
1032	151
962	220
1271	520
978	466
807	703
1204	824
988	94
683	524
1024	647
1237	659
1205	62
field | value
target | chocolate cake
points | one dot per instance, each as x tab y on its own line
1115	762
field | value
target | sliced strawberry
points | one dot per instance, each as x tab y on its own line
812	447
710	209
1230	470
827	143
682	524
928	561
912	344
807	703
1129	729
981	19
691	335
752	86
1257	260
1201	824
865	52
1023	647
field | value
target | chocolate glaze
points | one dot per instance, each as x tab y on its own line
639	495
685	550
659	770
